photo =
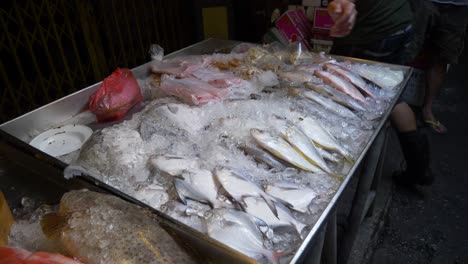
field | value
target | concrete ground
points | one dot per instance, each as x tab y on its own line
427	225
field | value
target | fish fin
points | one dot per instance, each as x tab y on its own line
270	204
242	203
279	200
238	176
349	159
259	222
52	225
178	185
180	177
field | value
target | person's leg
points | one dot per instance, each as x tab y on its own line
403	118
415	148
434	79
446	41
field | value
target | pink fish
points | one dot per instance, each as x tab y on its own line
341	85
217	78
191	90
353	78
21	256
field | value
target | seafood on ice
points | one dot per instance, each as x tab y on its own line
227	146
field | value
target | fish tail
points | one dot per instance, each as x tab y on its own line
299	227
270	204
339	177
52	225
348	158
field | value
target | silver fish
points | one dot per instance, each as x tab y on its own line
330	105
297	196
239	231
239	187
174	165
341	85
321	137
199	184
352	77
304	145
336	96
263	157
283	150
258	208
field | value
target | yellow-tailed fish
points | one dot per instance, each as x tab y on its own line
100	228
304	145
321	137
283	150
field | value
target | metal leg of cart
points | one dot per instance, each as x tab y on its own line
330	243
314	255
365	194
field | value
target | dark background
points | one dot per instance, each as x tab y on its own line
51	48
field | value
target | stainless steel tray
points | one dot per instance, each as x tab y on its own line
17	133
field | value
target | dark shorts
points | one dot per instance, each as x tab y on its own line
392	49
441	29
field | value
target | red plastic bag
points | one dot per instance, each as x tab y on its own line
22	256
118	93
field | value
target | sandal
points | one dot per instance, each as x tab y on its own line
436	126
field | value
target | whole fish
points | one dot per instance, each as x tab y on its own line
199	184
330	105
239	187
263	157
297	196
283	150
304	145
352	77
100	228
9	255
239	231
336	96
321	137
258	208
341	85
383	77
174	165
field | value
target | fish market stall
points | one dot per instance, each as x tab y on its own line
243	147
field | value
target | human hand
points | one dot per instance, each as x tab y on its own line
344	13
